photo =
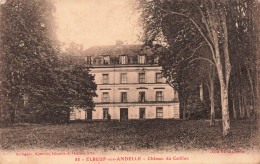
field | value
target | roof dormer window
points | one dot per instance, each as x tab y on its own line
156	60
123	59
88	60
106	59
141	59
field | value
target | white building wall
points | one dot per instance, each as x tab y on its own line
115	113
97	114
132	87
150	113
133	111
132	74
133	92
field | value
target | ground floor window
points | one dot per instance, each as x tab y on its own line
159	112
142	113
105	113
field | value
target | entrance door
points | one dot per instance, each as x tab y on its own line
123	114
142	113
89	114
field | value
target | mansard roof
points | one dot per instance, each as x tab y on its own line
115	50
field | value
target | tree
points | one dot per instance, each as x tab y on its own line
257	77
28	52
74	87
213	15
242	29
33	83
73	55
210	19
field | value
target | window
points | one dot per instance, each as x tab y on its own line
141	59
141	96
156	60
123	59
105	79
159	112
105	113
123	97
105	97
158	77
106	59
142	113
159	96
123	78
141	77
88	60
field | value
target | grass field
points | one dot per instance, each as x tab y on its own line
164	135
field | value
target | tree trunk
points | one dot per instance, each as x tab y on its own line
243	107
223	80
234	107
227	71
251	86
211	94
257	77
14	109
212	104
201	93
224	95
184	111
225	111
223	66
12	116
240	106
246	108
248	112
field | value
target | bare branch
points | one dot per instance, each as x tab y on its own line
195	24
193	53
201	58
187	67
204	20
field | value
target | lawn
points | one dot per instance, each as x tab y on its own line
164	135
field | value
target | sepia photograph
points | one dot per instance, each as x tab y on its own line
129	81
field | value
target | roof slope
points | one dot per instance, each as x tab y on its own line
113	50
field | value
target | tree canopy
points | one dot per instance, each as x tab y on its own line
32	83
204	37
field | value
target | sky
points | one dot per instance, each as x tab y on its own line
95	22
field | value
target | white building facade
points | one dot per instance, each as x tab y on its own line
129	88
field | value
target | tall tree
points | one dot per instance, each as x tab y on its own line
207	20
74	87
28	53
32	77
256	33
74	84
